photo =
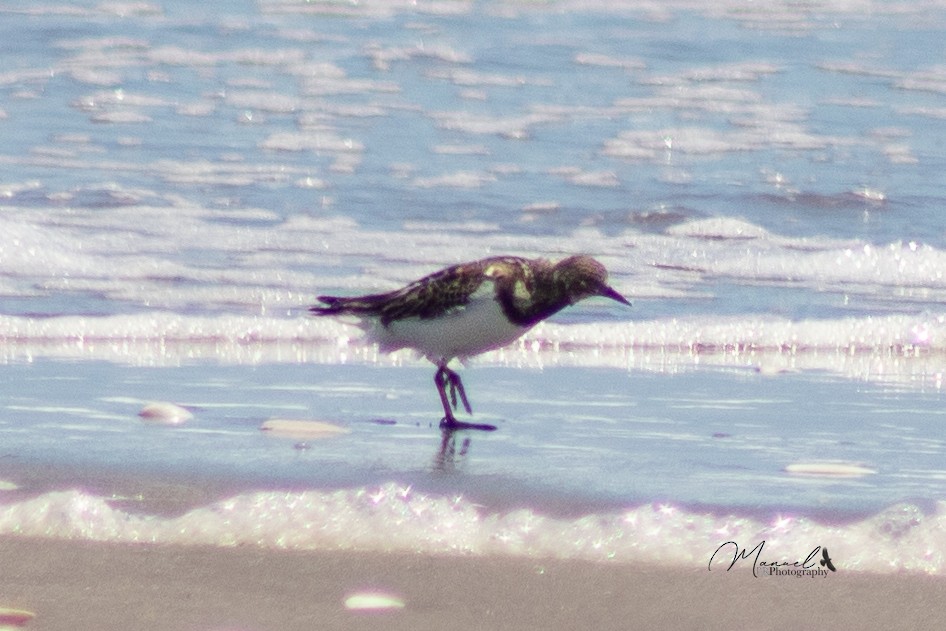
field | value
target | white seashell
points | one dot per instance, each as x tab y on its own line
302	430
373	601
10	618
829	469
164	412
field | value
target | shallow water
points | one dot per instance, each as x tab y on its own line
763	183
597	435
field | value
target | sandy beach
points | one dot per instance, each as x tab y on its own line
80	585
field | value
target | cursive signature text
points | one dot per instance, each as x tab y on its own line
740	554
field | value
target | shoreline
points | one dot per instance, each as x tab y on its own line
88	585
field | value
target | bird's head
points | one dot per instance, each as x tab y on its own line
583	277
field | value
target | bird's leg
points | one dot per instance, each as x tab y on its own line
442	379
450	424
457	386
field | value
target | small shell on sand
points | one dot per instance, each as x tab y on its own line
6	485
828	469
10	618
166	413
302	430
373	601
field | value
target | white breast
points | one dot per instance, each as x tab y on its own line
477	327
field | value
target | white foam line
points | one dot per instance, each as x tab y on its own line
910	350
395	517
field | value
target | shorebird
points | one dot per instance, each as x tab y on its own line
471	308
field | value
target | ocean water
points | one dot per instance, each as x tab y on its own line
763	181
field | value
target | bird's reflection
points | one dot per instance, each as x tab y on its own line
449	457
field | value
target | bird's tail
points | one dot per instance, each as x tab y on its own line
333	305
338	305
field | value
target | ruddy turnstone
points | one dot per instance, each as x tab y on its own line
470	308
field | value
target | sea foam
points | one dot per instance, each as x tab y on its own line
394	518
878	306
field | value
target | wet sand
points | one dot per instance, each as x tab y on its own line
80	585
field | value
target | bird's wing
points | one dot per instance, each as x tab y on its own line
429	297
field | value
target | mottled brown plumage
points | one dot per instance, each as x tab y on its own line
529	290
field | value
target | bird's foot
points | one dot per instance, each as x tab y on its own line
450	424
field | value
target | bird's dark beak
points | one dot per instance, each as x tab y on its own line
608	292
